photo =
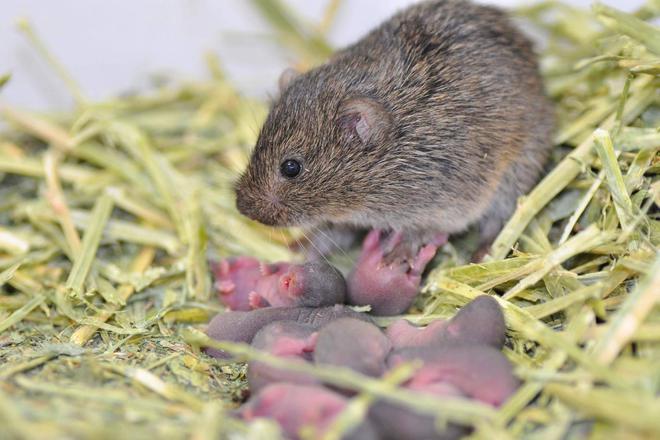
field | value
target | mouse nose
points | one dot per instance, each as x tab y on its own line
246	205
263	208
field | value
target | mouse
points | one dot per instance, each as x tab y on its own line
245	283
303	411
355	344
242	326
286	339
388	284
433	122
479	322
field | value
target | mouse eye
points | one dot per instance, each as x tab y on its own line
290	168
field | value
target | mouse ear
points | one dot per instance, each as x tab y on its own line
288	75
365	117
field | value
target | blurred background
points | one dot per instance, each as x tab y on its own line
115	46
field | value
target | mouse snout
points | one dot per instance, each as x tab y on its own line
264	207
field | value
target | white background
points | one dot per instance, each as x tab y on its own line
113	45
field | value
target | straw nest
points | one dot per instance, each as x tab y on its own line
109	214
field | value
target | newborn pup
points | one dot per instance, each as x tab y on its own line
297	406
243	326
394	422
450	368
235	278
287	339
479	322
434	121
389	285
245	284
403	334
349	342
479	372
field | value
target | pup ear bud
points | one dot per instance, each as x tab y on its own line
366	118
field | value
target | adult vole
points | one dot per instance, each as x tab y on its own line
434	121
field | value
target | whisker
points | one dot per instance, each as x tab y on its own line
284	240
314	246
271	241
298	242
332	242
254	123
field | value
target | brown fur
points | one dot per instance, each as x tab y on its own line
457	128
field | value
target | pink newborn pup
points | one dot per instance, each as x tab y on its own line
245	284
387	281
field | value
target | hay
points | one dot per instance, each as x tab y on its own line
109	213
